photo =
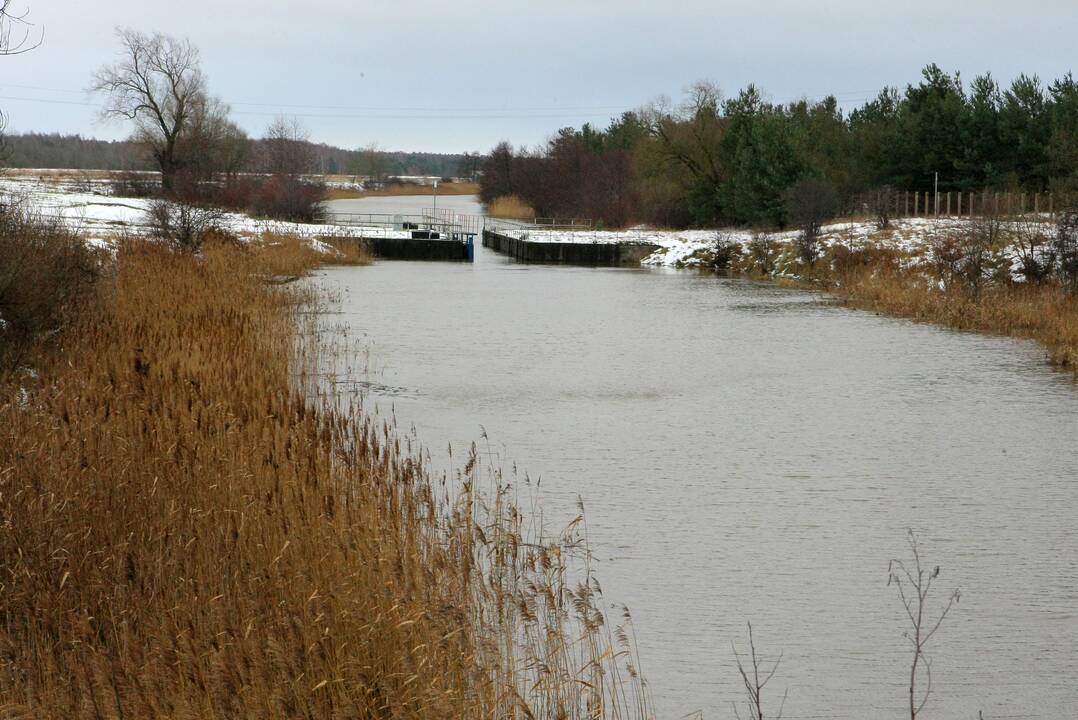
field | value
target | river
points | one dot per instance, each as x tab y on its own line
751	453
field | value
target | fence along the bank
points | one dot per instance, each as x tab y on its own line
962	204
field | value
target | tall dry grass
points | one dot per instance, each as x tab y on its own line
186	534
1041	312
510	207
398	189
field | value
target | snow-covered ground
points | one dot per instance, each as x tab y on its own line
87	206
696	248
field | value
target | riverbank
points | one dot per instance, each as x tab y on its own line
190	529
984	275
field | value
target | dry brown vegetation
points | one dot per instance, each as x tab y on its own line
287	256
338	193
510	207
961	279
188	532
46	273
1044	313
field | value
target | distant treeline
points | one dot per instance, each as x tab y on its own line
52	150
710	161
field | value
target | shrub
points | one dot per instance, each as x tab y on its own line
762	254
726	249
1035	249
883	207
810	202
184	227
285	197
135	185
1066	250
45	275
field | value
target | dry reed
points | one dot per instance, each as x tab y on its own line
510	207
186	534
444	189
1041	312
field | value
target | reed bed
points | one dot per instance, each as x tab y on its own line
1042	312
397	189
510	207
285	255
188	534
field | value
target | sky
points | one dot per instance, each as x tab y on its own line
439	76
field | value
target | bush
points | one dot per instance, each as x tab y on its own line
1036	252
285	197
1066	250
971	256
184	227
135	185
726	249
279	197
883	207
762	254
810	202
46	272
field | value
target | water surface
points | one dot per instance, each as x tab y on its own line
746	452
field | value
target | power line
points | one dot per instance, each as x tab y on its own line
465	113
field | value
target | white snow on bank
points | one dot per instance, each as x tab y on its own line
695	248
98	213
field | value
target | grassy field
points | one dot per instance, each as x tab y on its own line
191	530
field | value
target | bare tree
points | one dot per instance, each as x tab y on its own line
212	143
914	585
286	148
688	137
755	677
5	146
16	38
157	84
16	33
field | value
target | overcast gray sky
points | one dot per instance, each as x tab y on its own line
456	75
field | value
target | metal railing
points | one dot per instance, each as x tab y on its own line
446	223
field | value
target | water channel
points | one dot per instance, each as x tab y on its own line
751	453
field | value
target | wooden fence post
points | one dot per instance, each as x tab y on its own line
927	211
948	203
907	211
916	204
959	203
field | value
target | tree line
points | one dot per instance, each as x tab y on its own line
711	160
185	132
75	152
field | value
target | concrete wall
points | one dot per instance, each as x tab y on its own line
613	254
414	248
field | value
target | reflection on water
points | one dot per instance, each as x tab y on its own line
746	452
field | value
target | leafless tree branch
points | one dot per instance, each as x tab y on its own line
914	584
